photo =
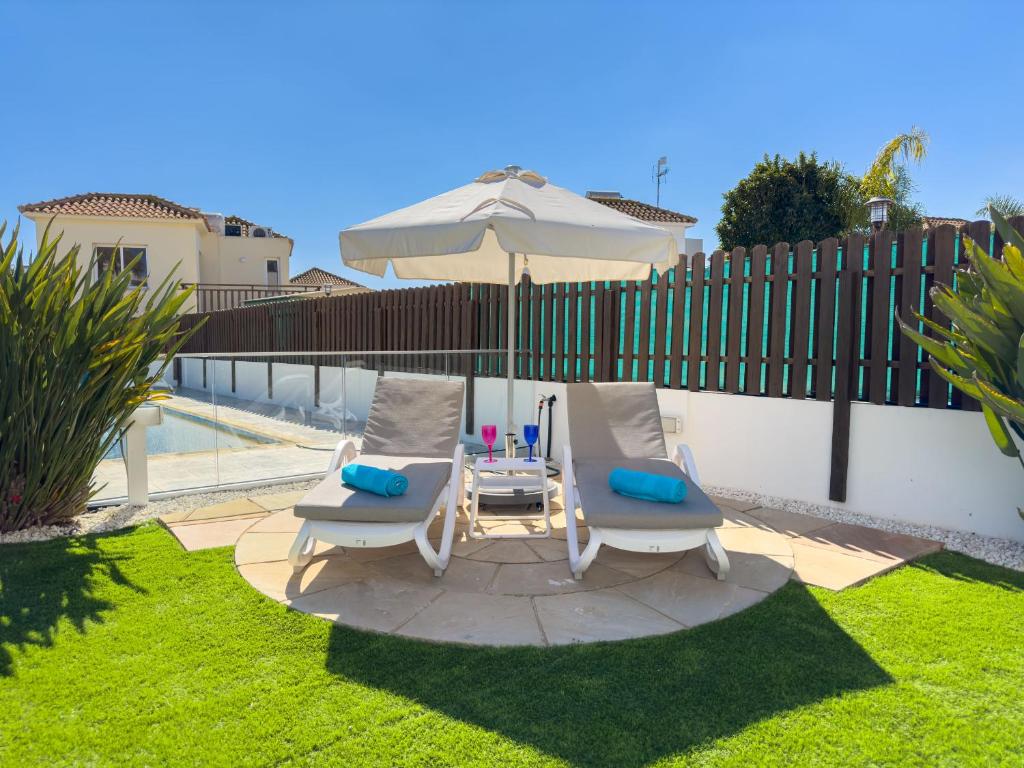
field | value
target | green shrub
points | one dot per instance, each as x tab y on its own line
77	356
983	354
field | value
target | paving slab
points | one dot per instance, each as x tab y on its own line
759	571
278	581
753	540
789	523
233	508
282	522
551	578
690	600
273	502
833	570
605	614
462	575
221	533
636	564
496	620
739	505
268	547
379	604
506	551
869	543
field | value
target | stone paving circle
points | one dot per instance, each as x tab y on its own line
514	592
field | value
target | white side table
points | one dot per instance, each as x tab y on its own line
527	475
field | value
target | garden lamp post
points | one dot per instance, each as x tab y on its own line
878	211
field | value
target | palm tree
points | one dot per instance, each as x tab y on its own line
888	177
882	177
1008	205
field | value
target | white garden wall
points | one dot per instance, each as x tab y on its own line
916	465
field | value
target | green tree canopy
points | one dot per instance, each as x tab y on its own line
788	200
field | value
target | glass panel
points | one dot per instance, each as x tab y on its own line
181	451
104	257
111	478
139	271
268	425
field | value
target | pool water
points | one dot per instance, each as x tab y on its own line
185	433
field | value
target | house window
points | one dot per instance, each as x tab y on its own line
273	276
120	257
232	230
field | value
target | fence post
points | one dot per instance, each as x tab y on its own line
847	346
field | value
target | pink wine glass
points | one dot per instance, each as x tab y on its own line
489	432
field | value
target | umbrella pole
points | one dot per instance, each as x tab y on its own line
510	434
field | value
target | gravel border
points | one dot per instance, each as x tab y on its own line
1004	552
104	519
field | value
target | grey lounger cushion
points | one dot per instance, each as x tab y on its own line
602	507
615	421
414	417
331	500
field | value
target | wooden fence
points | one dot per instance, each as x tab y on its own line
808	321
764	321
213	297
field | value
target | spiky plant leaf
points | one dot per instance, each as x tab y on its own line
77	356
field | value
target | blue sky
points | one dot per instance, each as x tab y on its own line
311	117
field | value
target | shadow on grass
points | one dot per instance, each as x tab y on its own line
42	584
629	703
959	567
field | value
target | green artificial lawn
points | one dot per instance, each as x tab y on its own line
124	650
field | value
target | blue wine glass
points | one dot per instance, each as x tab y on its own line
531	432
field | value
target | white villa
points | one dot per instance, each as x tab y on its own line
207	248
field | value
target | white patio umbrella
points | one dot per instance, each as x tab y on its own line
503	223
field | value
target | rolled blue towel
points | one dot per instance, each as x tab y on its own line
646	486
383	482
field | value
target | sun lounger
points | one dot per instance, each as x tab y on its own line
619	425
413	428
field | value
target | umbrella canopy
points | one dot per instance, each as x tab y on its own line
468	233
490	231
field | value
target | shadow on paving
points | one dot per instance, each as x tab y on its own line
60	588
628	703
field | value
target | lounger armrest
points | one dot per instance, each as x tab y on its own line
343	454
682	456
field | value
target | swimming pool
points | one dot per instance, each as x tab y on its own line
186	433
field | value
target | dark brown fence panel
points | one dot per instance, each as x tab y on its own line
675	362
877	330
693	354
713	377
734	324
824	327
755	319
941	247
909	246
801	315
660	330
777	319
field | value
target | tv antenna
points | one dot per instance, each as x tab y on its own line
659	172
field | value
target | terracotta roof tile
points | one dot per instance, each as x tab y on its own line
317	276
930	222
113	204
644	211
127	206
